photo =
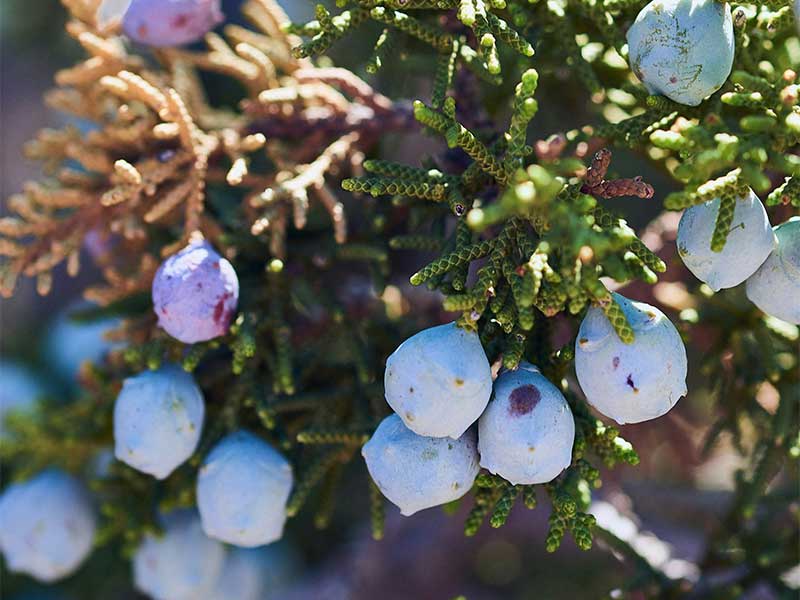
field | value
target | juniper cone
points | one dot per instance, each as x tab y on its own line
242	489
158	419
195	293
683	49
248	574
181	563
526	433
19	392
351	235
417	472
749	241
635	382
775	286
161	23
71	343
438	381
47	525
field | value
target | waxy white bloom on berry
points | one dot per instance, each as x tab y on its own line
161	23
439	381
195	293
181	564
749	242
158	418
527	431
635	382
416	472
682	49
242	489
47	525
775	287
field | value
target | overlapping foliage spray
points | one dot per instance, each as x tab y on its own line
280	183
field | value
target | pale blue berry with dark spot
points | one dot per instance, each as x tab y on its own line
195	293
162	23
416	472
527	431
158	417
47	525
682	49
775	286
635	382
242	490
439	381
181	564
749	242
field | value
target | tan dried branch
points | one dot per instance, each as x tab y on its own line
158	142
296	188
349	83
277	52
236	147
83	10
270	18
119	285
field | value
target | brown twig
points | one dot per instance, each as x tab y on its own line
594	181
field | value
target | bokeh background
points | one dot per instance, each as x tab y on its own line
665	507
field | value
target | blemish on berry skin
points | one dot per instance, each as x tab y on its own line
219	308
411	390
180	21
673	79
429	454
523	400
583	341
630	383
615	362
409	416
459	382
